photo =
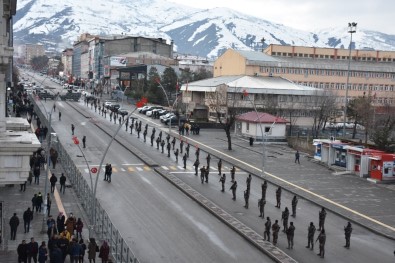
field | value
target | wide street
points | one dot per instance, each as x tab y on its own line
163	224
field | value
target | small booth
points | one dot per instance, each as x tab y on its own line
322	150
382	167
358	159
338	154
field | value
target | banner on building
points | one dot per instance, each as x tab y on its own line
118	61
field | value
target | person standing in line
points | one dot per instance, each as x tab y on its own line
54	108
264	188
160	135
347	234
157	143
60	116
197	153
22	252
145	135
168	149
310	236
248	183
53	181
181	145
152	139
187	149
219	166
62	182
246	197
222	180
173	142
84	141
261	206
184	159
206	174
72	129
14	223
233	188
208	158
284	218
162	144
42	253
202	173
232	174
321	239
196	165
278	197
290	235
266	233
32	251
92	250
321	219
168	138
176	154
275	230
294	204
27	218
297	155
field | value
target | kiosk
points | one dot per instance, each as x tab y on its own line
358	159
383	167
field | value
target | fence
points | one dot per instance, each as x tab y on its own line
102	225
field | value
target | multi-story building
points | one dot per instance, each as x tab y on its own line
194	63
79	48
29	51
67	58
371	72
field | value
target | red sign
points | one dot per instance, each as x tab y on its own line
94	170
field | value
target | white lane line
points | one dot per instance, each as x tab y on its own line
132	164
299	187
165	168
180	167
123	170
139	169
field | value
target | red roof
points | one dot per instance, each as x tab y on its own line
260	117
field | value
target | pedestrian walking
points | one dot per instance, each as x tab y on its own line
219	166
261	206
208	158
78	227
60	220
321	219
22	252
109	173
290	235
196	165
184	159
264	188
84	141
39	202
321	239
347	234
275	230
42	253
232	173
278	197
162	144
92	248
53	181
32	251
246	197
310	236
222	180
294	204
233	188
202	173
62	181
60	116
284	218
14	223
27	218
297	155
248	183
176	154
72	129
49	203
104	252
266	233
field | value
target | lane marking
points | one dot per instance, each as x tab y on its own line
299	187
165	168
123	170
130	169
139	169
146	168
173	168
132	164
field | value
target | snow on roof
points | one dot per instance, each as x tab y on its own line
260	117
257	56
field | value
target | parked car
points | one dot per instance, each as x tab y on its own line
174	120
142	108
162	112
166	116
143	111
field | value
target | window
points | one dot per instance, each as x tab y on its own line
248	126
267	129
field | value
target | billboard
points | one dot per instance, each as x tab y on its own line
118	61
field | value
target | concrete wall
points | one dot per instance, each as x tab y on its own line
302	144
230	63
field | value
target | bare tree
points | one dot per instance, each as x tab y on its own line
384	128
323	104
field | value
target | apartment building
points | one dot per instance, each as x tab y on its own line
371	72
28	51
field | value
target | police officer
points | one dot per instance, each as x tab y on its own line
275	230
219	166
184	159
84	141
248	183
168	149
138	131
196	165
162	144
202	173
321	219
278	197
187	149
294	204
72	129
290	235
208	158
246	197
347	234
233	188
181	145
127	124
222	180
310	235
284	218
173	142
157	143
266	233
264	188
197	153
168	138
152	139
145	134
176	154
232	174
153	132
207	173
322	239
261	205
160	135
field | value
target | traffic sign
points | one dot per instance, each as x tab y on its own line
94	170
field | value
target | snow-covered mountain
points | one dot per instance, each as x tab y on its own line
57	24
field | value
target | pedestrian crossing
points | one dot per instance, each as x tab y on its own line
145	168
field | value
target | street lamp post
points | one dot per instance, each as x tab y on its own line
352	28
168	102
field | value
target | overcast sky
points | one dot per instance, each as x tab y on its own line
311	14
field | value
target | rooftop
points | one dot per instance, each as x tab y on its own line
260	117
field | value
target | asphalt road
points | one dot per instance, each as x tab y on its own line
194	230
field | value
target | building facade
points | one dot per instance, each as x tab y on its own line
371	72
67	58
29	51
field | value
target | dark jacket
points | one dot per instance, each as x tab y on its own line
22	252
32	248
14	221
62	179
28	215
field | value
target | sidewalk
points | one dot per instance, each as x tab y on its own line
347	195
